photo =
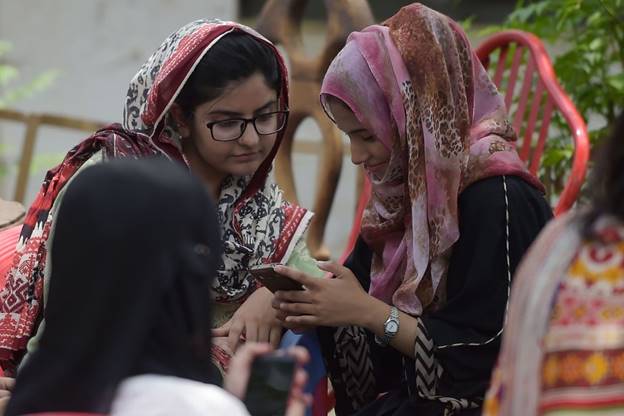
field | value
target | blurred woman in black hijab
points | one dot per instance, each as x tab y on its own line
127	321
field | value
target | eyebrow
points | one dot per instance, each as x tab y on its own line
237	114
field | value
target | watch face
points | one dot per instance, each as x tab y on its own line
392	327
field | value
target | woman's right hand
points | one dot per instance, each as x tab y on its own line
237	378
255	321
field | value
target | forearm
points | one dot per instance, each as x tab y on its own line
374	315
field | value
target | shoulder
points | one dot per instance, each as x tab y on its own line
165	395
494	187
96	158
491	195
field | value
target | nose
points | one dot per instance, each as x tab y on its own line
359	154
250	137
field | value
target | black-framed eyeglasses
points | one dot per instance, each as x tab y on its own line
233	128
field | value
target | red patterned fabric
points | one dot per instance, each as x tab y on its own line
147	131
22	295
571	357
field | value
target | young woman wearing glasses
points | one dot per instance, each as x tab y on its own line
214	97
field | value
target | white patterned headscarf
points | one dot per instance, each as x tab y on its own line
258	225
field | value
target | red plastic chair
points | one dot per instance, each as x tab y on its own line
521	69
8	243
364	196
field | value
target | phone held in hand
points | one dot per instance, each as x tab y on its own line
269	384
266	274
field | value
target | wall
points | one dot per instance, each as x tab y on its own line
97	46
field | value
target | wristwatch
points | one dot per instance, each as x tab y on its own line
391	327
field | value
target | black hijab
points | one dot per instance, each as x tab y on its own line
135	247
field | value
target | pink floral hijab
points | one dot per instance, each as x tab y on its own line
427	98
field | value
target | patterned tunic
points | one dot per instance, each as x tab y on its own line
582	362
583	365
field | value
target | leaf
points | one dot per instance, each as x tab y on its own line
7	74
596	44
466	24
39	84
617	82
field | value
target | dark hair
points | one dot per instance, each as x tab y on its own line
234	57
607	181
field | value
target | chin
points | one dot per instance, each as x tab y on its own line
246	170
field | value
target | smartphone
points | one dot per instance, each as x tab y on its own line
269	385
266	274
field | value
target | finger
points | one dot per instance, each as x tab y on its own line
297	329
302	320
297	394
248	352
5	400
275	336
281	316
298	308
297	407
251	331
332	267
301	296
296	275
263	333
300	354
240	367
220	332
223	330
298	385
7	383
234	335
5	393
299	381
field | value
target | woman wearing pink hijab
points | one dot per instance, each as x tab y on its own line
412	324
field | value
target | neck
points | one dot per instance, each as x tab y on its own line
211	177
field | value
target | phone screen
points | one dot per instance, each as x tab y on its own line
269	385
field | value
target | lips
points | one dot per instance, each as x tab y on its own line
376	167
246	157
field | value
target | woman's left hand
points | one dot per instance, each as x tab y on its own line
337	301
237	378
255	319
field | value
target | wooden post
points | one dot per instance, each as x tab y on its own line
32	125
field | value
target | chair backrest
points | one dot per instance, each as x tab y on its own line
32	123
522	70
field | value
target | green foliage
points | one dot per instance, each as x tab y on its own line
591	66
587	37
9	93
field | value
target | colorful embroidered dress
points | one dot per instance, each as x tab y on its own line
578	343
